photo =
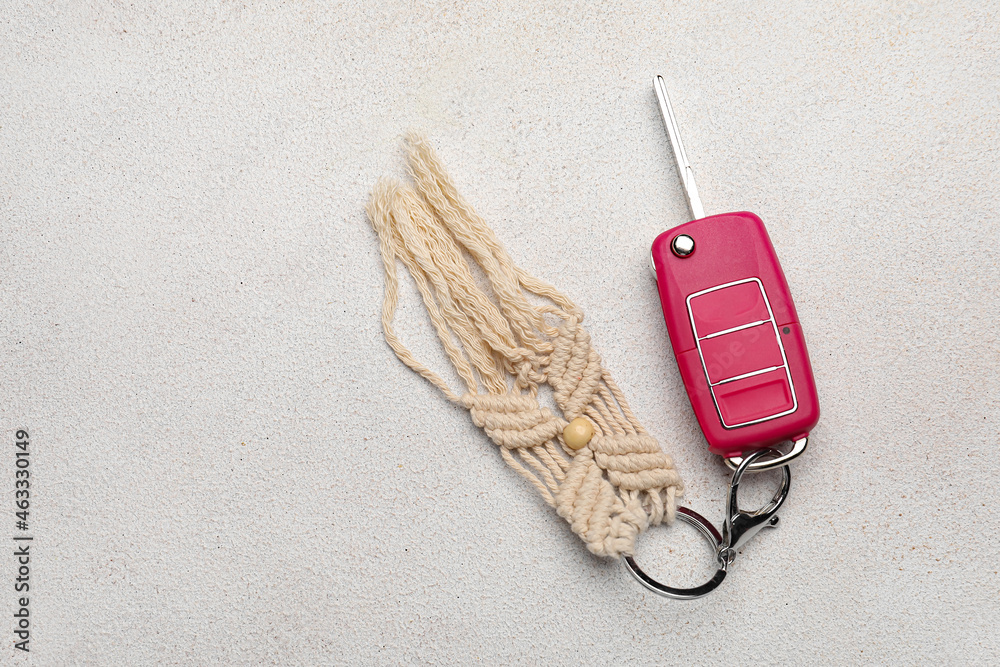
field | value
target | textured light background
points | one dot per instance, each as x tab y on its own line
231	466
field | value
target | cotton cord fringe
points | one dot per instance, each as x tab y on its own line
503	348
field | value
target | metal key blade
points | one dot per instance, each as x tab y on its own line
683	166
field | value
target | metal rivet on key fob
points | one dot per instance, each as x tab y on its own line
682	245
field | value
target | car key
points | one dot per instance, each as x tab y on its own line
733	326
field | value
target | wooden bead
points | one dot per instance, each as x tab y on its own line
578	433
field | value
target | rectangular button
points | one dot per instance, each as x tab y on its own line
728	307
740	352
753	398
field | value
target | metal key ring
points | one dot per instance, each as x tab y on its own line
737	530
798	446
715	539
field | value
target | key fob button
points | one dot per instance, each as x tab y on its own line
754	398
739	352
728	307
682	245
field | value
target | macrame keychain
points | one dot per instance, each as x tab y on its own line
594	463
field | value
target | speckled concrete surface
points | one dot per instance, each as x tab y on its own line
231	467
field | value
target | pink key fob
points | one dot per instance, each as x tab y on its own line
732	325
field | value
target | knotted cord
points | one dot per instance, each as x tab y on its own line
503	348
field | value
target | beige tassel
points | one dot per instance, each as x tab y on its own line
503	347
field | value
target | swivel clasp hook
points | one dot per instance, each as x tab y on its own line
740	526
737	530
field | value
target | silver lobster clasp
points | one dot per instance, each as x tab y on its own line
740	526
737	530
